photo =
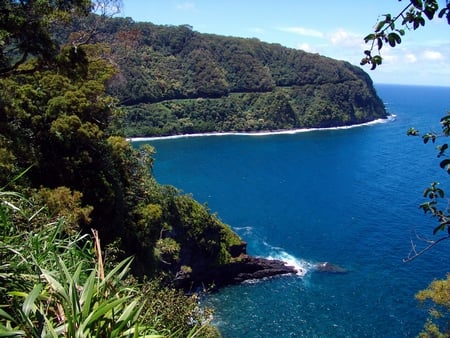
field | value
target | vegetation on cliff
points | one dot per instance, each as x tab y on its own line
173	80
64	170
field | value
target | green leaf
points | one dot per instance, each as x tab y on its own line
412	132
417	3
443	11
102	309
5	315
380	25
441	227
431	7
379	43
442	148
429	136
367	39
445	164
418	21
5	332
87	294
29	305
394	39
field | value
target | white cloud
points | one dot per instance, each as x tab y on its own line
257	30
344	38
433	55
411	58
303	31
307	48
185	6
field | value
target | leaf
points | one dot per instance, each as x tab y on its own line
442	148
429	136
379	43
441	227
380	25
393	39
5	332
442	12
445	164
102	309
367	39
412	132
417	3
431	8
29	305
5	315
87	294
418	21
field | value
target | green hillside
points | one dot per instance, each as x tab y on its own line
174	80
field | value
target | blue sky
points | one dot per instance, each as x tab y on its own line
331	28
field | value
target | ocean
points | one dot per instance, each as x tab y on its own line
345	196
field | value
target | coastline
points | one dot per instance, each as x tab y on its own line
261	133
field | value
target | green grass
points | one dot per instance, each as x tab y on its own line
53	284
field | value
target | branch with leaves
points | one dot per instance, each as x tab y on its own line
434	194
386	32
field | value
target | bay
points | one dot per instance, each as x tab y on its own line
347	196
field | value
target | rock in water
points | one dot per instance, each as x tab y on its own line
246	268
330	268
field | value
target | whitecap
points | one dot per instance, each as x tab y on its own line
301	266
261	133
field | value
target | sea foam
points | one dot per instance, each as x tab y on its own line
261	133
301	266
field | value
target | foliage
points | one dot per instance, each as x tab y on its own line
174	80
437	294
52	285
437	297
24	29
413	16
434	193
308	106
57	119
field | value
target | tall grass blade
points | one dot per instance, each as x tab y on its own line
17	177
87	294
29	303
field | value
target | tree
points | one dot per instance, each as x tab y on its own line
25	29
414	15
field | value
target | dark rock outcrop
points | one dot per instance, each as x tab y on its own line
244	268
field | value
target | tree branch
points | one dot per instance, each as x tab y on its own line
413	254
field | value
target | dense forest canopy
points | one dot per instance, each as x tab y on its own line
174	80
64	171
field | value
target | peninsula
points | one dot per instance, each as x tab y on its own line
172	80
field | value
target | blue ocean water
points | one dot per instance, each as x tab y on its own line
348	197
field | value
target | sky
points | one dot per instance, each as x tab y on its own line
331	28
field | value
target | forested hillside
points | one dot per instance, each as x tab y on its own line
72	84
174	80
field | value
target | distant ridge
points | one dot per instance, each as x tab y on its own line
174	80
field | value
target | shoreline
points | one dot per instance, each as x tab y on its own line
260	133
